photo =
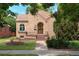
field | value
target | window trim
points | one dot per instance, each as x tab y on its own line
21	27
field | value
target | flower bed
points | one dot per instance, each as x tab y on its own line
15	43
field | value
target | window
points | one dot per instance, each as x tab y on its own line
22	36
22	27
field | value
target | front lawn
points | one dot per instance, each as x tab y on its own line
28	45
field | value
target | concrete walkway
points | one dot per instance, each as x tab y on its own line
42	52
58	53
41	45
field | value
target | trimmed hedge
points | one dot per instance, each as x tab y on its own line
74	44
61	44
57	43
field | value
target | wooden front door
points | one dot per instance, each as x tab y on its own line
40	28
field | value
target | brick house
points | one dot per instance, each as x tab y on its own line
38	26
6	32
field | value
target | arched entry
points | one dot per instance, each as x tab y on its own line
40	28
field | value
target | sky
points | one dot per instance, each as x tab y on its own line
21	9
55	8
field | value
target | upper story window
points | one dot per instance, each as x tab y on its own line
22	27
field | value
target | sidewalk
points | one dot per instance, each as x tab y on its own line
17	52
42	52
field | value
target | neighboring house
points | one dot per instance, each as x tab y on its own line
38	26
6	32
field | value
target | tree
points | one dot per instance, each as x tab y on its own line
11	21
34	8
68	11
3	12
66	24
9	12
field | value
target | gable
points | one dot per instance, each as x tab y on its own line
24	17
43	14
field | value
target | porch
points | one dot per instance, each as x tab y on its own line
34	37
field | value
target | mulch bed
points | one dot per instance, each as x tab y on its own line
14	43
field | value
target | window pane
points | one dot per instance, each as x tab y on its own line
22	27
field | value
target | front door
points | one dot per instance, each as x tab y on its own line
40	28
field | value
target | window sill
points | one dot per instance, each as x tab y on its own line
22	32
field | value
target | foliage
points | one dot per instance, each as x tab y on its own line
62	43
9	12
39	6
74	44
3	12
66	25
11	21
55	15
34	8
65	29
57	43
68	11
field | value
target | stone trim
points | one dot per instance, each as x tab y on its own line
22	21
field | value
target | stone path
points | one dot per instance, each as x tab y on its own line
41	45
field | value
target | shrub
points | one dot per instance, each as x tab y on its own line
74	45
57	43
49	43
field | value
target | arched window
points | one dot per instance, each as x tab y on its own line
22	27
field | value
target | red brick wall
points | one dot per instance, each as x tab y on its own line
13	33
5	32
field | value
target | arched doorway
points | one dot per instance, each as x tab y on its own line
40	28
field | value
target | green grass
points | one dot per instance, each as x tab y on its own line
28	45
18	55
3	40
